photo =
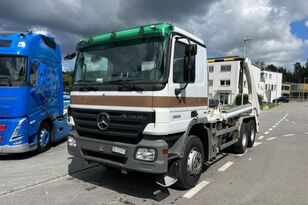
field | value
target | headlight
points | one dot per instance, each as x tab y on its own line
71	141
15	135
70	121
146	154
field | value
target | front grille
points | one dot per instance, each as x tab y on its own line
125	126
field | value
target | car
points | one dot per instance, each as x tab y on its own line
213	103
281	99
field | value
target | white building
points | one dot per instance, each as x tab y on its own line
271	85
224	81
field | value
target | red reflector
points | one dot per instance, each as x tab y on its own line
0	138
165	151
2	127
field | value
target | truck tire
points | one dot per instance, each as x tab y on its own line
191	165
251	133
240	146
44	138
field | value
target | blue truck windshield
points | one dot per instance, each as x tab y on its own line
12	70
138	63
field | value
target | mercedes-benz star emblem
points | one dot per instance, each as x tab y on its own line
103	121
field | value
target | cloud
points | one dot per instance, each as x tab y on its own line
222	24
306	23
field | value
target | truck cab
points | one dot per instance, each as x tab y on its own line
31	92
139	102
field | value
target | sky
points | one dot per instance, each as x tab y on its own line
278	28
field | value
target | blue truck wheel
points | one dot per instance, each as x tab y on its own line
44	138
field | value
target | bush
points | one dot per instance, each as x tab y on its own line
238	99
260	97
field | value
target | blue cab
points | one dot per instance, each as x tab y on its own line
31	92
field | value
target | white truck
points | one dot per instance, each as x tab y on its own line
139	102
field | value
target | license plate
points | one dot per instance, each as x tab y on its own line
119	150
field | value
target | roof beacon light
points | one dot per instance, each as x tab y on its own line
21	44
153	26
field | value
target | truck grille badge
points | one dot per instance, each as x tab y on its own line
103	121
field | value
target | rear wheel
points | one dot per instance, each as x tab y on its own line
240	146
190	166
251	133
44	137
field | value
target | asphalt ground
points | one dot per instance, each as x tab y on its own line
274	171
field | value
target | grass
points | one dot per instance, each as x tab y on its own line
267	106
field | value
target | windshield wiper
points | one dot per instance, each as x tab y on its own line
89	88
127	87
119	81
8	80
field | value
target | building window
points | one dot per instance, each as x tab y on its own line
211	69
210	82
225	83
225	68
285	87
272	87
245	83
266	86
224	98
270	76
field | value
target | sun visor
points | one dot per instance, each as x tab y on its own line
5	43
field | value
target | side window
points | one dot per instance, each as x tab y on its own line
178	64
34	73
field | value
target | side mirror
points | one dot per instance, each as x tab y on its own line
189	62
70	56
191	49
189	66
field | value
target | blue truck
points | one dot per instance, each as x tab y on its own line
31	92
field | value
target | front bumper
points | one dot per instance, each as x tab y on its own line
14	149
101	151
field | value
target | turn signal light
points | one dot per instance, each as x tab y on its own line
2	127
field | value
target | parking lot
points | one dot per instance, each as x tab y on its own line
274	171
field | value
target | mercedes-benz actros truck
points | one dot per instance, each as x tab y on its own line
31	92
139	102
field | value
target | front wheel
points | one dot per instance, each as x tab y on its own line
44	138
190	166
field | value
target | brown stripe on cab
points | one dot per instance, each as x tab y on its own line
140	101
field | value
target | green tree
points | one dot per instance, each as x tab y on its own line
67	81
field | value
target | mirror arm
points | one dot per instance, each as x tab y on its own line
177	91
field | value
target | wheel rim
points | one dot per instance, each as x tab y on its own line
244	139
194	162
44	137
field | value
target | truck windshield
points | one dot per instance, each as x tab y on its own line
137	63
12	69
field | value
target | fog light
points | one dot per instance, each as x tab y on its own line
71	141
145	154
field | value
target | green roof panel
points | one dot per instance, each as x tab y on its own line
153	30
